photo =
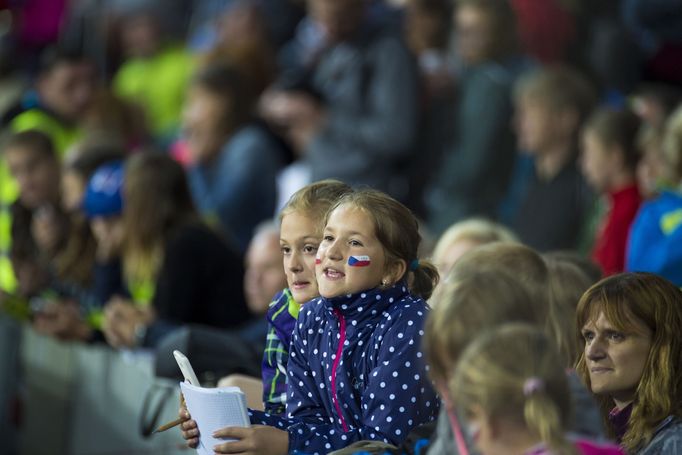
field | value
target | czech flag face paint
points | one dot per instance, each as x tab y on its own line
359	261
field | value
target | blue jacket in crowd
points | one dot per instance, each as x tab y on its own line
356	372
655	243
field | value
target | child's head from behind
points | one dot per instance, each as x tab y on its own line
512	387
32	161
567	283
551	105
609	149
469	302
465	235
302	224
371	240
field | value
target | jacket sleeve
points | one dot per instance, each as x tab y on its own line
275	356
397	397
388	124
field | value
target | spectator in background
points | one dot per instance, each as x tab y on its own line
655	243
234	161
79	317
352	114
178	271
99	166
242	38
38	226
156	71
55	105
650	172
653	103
609	160
464	236
551	107
427	27
264	275
547	29
62	93
475	169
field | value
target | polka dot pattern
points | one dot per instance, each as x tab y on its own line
376	389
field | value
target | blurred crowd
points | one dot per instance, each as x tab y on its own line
148	145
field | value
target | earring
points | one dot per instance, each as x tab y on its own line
384	282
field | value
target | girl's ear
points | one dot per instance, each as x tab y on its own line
394	272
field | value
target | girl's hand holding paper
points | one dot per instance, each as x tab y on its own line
257	439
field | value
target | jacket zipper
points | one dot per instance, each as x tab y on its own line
337	360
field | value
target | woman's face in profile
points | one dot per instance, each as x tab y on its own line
616	359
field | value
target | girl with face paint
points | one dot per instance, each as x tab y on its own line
302	222
356	370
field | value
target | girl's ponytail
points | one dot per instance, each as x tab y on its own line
425	278
543	417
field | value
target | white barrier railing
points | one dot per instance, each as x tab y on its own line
83	399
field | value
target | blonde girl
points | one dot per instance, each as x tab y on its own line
511	385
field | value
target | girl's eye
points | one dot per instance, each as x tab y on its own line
588	336
328	238
355	243
310	249
285	250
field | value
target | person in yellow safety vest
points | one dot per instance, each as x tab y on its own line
62	93
156	72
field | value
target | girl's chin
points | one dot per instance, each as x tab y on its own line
303	295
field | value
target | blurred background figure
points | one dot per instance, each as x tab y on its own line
349	109
234	160
464	236
475	167
177	270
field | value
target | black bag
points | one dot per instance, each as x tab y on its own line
213	353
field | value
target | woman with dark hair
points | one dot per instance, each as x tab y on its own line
178	271
235	161
630	327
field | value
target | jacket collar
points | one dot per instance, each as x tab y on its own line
366	305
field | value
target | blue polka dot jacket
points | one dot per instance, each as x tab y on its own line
356	372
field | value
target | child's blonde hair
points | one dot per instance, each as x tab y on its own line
567	284
315	200
514	372
397	230
523	262
476	230
470	302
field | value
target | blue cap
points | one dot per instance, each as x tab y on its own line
103	194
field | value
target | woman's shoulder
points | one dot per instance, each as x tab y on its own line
667	439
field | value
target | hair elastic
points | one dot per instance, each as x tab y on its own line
533	385
414	265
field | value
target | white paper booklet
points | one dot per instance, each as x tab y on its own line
213	409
